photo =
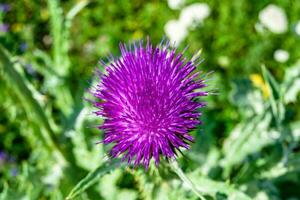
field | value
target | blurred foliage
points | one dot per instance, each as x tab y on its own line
247	148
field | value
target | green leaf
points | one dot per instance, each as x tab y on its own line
32	107
145	184
92	178
272	83
291	83
291	165
247	137
175	167
59	42
211	187
276	96
60	32
202	185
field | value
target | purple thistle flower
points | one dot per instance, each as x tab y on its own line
148	99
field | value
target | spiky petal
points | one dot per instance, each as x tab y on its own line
149	101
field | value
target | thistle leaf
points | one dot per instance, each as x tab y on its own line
276	96
175	167
92	177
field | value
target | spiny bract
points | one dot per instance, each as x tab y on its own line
148	99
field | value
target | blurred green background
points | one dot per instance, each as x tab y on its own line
247	148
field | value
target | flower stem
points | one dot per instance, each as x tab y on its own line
175	167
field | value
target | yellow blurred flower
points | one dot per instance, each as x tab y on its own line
44	14
138	35
17	27
258	82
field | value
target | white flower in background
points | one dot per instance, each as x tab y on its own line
194	14
175	4
190	16
281	55
297	28
274	18
176	31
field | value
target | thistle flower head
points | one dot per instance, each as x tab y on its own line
149	100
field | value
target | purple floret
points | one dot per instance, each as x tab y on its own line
4	7
149	100
4	27
3	156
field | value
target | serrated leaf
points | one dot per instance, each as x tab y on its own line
211	187
92	178
291	83
246	138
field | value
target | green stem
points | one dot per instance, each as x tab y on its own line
175	167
